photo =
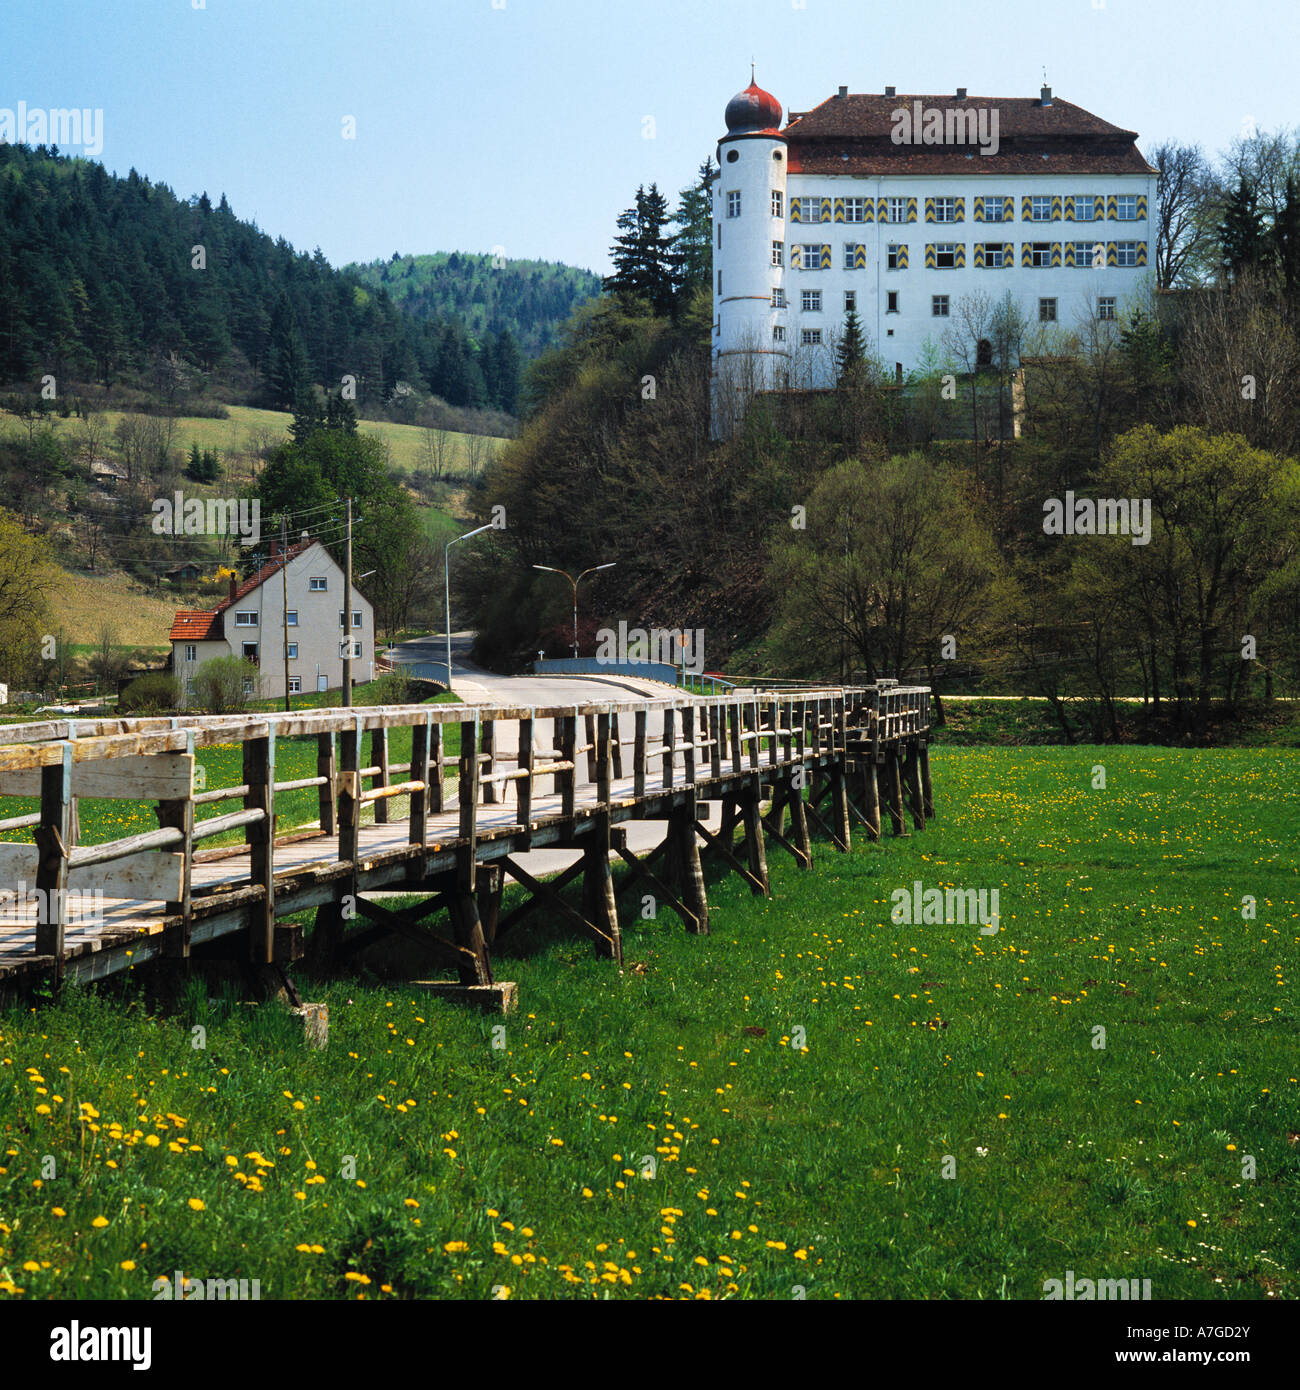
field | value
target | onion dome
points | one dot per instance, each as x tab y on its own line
753	110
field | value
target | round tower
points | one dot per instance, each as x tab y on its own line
749	216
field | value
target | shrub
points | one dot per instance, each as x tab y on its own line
226	684
150	694
392	688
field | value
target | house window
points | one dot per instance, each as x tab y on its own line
850	300
295	685
778	252
733	203
891	301
1085	207
246	619
1047	311
778	333
318	584
777	204
939	306
897	208
778	298
291	651
945	209
1126	207
1106	307
291	618
1089	255
1040	254
812	301
1126	253
1040	207
189	687
994	257
945	255
994	208
248	688
191	652
250	652
894	257
808	209
855	209
811	337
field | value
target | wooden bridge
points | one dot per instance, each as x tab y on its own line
483	787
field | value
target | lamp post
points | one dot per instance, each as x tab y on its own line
575	582
446	577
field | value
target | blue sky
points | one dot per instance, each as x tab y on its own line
521	123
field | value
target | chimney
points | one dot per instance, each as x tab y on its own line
234	584
1045	98
844	91
961	93
275	551
891	91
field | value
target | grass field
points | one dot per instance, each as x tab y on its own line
416	1157
81	605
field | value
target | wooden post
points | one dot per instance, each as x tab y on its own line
52	836
589	738
524	786
325	767
870	798
688	745
799	836
491	881
616	748
469	794
927	791
569	779
490	793
912	776
600	906
259	774
602	759
755	849
349	786
379	759
894	787
639	754
179	815
717	732
687	873
670	746
436	793
420	772
463	907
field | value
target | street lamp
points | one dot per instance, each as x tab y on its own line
575	582
446	576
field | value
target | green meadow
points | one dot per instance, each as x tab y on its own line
954	1125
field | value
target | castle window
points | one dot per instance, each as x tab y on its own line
732	156
1040	254
778	298
778	253
1126	207
1085	208
894	258
1127	253
1040	207
1047	311
719	282
811	337
1089	255
945	209
994	257
733	203
850	300
897	209
994	207
807	209
812	301
939	306
891	301
778	204
778	333
719	236
855	209
1106	307
945	256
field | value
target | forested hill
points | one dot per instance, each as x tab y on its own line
117	280
486	293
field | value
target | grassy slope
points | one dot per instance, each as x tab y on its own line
478	1167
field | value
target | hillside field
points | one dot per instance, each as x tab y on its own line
955	1125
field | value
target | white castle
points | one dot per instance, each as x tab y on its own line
913	210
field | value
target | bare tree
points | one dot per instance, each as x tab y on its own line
1184	231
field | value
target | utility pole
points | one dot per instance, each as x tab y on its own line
284	603
347	613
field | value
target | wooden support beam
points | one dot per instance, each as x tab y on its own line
568	781
259	774
326	767
641	719
459	957
912	781
491	881
774	824
477	970
799	819
751	819
729	858
894	790
927	791
349	790
52	842
599	902
841	836
530	904
553	899
682	849
179	815
641	873
379	759
870	798
466	859
421	771
524	786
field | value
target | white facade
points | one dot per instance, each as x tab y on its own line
1071	243
252	624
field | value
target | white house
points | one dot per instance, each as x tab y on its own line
900	206
256	622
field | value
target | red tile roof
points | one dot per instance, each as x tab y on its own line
852	134
192	625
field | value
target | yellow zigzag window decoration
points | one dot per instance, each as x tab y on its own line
825	258
1008	255
859	256
1112	208
959	210
978	212
911	209
826	210
1056	255
1142	205
796	210
1142	253
902	257
931	263
929	209
1026	254
839	210
1008	207
1026	209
